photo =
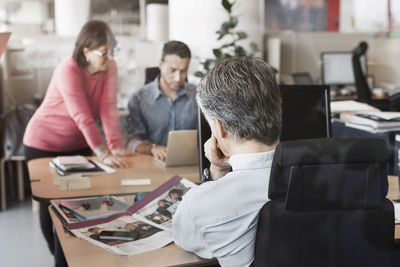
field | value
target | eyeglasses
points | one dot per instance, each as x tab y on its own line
113	53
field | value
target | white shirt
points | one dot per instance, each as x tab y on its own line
219	218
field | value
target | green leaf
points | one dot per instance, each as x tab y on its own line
227	5
206	65
253	47
217	53
220	36
241	35
239	51
228	45
199	74
233	21
225	27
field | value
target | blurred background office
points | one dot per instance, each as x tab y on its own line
290	34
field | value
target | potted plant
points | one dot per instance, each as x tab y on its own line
231	36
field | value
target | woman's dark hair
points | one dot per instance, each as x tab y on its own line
94	33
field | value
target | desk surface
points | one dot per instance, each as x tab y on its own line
81	253
394	193
144	166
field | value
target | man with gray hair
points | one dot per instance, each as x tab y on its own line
240	99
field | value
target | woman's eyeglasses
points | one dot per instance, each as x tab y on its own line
113	52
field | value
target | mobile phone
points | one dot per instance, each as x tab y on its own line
118	235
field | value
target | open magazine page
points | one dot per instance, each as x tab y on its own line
138	236
94	207
83	209
161	209
145	226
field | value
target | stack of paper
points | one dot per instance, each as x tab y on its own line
350	106
375	121
65	165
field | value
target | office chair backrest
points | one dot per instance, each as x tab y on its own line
14	122
328	205
150	74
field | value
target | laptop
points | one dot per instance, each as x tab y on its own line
182	149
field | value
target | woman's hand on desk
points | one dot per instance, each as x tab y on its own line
116	161
113	158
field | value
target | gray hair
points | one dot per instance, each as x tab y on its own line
243	94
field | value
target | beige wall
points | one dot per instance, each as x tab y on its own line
300	52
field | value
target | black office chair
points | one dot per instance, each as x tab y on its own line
328	206
361	83
150	74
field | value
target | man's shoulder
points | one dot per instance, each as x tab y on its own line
144	92
190	89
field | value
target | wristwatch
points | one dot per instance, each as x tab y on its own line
205	176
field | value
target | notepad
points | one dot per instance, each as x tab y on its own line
127	182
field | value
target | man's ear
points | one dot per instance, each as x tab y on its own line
220	131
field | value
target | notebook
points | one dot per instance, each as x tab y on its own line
182	149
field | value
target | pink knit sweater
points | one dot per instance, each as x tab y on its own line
66	120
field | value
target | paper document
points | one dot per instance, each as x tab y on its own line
350	106
384	115
396	213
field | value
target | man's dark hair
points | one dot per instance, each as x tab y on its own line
243	94
176	48
93	34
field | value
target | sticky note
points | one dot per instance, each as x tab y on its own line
127	182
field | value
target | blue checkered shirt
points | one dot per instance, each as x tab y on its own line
152	114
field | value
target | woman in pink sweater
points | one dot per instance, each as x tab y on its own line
83	88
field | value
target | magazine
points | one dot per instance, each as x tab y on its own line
146	225
90	208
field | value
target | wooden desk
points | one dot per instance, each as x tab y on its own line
81	253
43	188
394	193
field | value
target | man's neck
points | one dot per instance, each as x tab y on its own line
172	94
246	147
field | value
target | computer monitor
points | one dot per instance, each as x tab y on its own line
302	78
337	68
305	114
204	133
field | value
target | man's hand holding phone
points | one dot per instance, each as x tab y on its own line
219	162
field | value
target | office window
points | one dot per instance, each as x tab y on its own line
371	15
395	14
